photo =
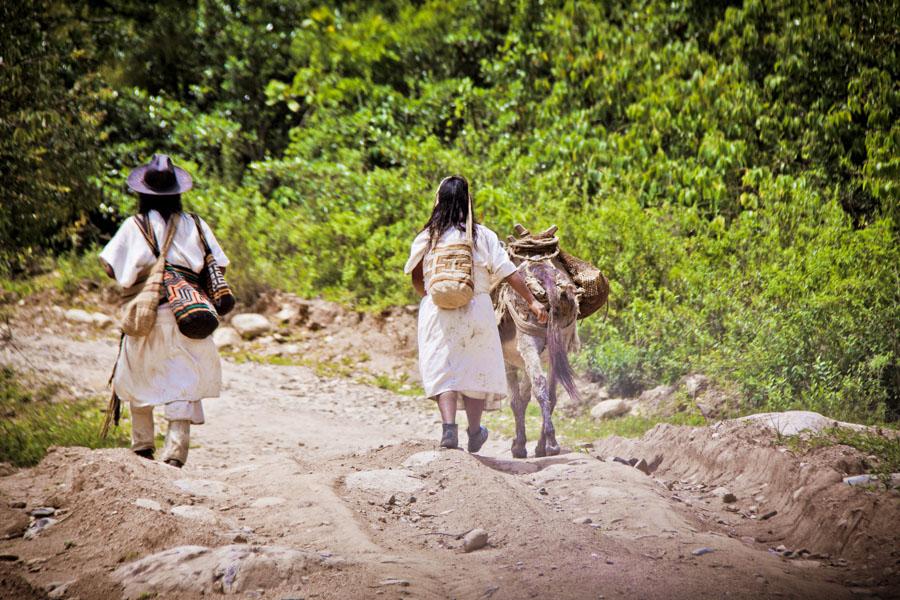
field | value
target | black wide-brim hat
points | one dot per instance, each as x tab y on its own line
159	178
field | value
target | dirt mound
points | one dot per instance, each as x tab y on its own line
799	502
13	585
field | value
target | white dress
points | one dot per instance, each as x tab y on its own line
165	367
459	350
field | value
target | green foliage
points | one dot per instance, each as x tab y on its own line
584	429
48	122
34	419
733	169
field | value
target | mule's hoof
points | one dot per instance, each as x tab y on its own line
552	450
519	453
540	451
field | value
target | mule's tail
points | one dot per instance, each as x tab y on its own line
560	369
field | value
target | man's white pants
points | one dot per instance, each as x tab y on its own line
178	436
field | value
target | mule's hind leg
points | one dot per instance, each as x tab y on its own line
530	349
519	403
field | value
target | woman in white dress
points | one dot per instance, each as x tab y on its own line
163	368
460	358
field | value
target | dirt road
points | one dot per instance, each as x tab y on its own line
303	487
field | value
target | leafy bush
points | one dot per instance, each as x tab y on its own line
33	421
733	169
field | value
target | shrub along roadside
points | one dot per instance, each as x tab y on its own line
35	419
734	169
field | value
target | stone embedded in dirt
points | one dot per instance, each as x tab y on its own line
642	466
14	524
43	511
76	315
289	314
474	540
201	487
267	502
394	581
197	513
250	325
610	409
322	314
18	504
702	551
148	504
725	494
384	480
421	458
38	526
226	337
861	480
768	515
658	401
792	422
58	589
6	469
582	521
198	570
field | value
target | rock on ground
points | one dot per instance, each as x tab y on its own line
200	570
226	337
658	401
421	458
195	512
250	325
793	422
322	314
385	480
201	487
610	409
76	315
148	504
475	540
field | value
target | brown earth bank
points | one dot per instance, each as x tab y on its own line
306	485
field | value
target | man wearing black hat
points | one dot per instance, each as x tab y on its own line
163	368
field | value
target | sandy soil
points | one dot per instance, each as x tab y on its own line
306	487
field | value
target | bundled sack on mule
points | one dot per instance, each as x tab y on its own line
593	287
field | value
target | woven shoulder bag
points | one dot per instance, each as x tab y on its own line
139	313
212	280
452	283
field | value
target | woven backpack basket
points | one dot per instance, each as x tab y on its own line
594	284
452	283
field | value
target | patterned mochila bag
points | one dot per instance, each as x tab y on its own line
194	314
213	282
452	283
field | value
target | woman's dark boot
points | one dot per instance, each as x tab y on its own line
450	438
477	439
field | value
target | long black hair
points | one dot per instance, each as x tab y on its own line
165	205
451	209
